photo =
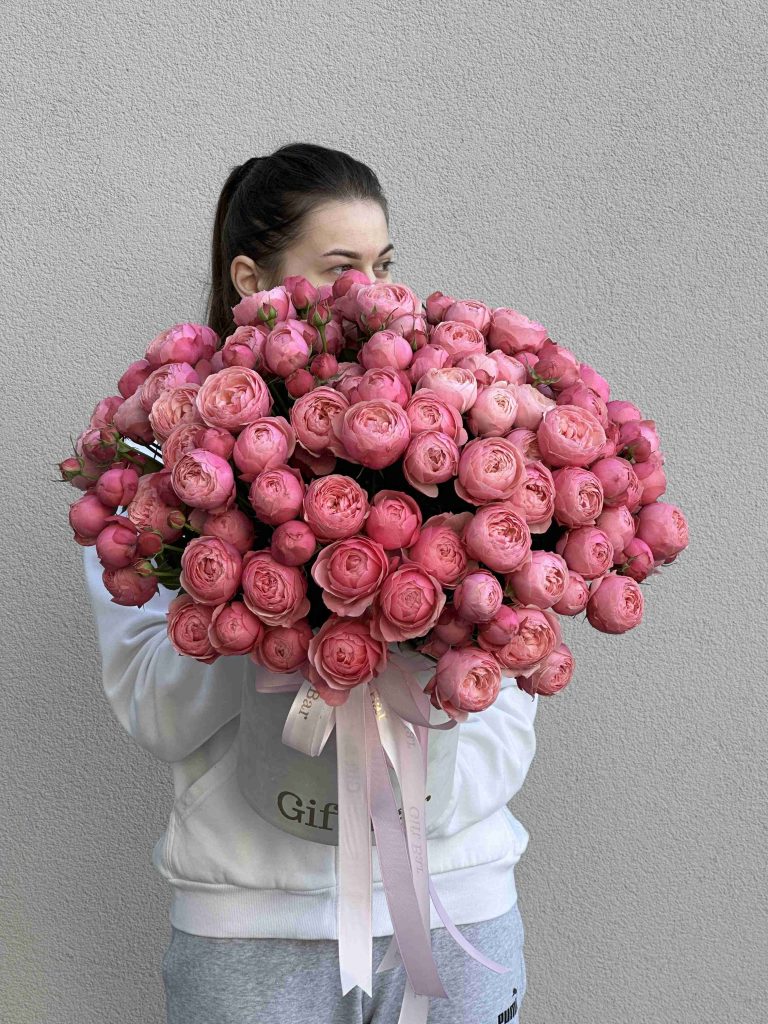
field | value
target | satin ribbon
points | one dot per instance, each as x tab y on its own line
387	716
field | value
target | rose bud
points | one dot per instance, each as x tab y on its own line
394	519
541	580
117	487
554	673
210	570
615	603
293	543
188	623
234	629
299	383
478	597
128	587
451	629
88	516
467	679
116	544
324	365
499	630
638	560
284	648
575	596
586	550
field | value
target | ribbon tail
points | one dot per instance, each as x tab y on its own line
353	910
465	944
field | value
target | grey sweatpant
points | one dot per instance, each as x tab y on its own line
293	981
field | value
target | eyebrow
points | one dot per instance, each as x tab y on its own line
355	255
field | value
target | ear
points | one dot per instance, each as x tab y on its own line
247	276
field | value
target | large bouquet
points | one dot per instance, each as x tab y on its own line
352	471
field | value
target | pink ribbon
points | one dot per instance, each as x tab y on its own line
373	725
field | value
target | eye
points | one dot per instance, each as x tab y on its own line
348	266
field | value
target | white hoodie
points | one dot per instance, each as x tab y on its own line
234	874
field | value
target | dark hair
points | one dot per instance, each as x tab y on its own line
261	212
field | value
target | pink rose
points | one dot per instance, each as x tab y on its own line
578	496
528	443
132	419
615	604
622	412
541	580
531	406
277	494
436	304
394	519
210	569
188	623
451	629
458	339
407	605
575	595
233	526
511	332
150	510
276	593
639	439
497	633
335	506
380	306
313	416
233	397
664	529
430	459
128	587
234	629
470	311
482	367
452	385
117	487
652	479
587	550
638	560
618	524
538	634
440	551
617	478
288	346
117	543
268	441
343	654
382	382
134	377
508	368
245	347
386	348
427	412
284	648
188	436
374	433
172	407
350	573
534	497
293	543
585	398
182	343
490	469
466	679
203	480
478	597
262	306
498	536
88	516
428	358
557	365
570	436
554	673
493	413
164	378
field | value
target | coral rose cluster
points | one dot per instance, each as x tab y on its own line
352	468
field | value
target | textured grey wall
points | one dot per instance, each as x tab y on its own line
600	166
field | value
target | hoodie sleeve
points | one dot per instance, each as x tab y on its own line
495	750
170	704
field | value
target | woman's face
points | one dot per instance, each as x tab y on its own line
338	236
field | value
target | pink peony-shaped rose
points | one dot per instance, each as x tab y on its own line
490	469
394	519
276	593
452	385
343	654
575	595
117	543
617	478
313	416
512	332
557	365
172	407
150	509
498	536
386	348
586	550
284	648
451	629
293	543
382	382
470	311
335	506
210	570
638	560
277	494
541	580
664	529
288	346
234	629
498	631
268	441
407	605
534	497
478	597
233	397
427	412
618	525
439	549
188	624
264	306
551	676
493	412
350	572
233	526
430	459
374	433
615	603
164	378
531	407
466	679
203	480
570	436
187	436
458	339
538	634
578	496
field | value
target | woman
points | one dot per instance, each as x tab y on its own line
253	913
